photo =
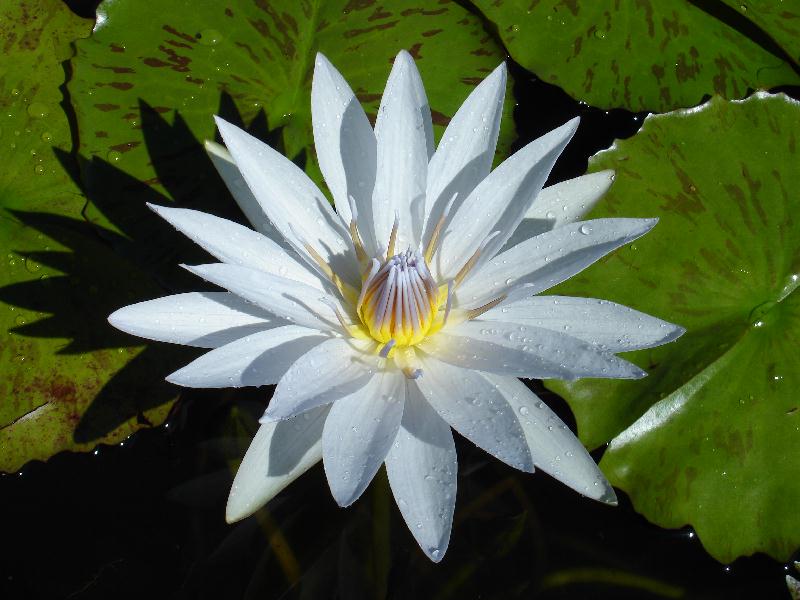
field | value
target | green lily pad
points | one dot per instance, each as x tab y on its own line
649	56
252	61
61	366
710	437
781	20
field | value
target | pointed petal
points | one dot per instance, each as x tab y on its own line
291	201
291	300
358	433
562	203
237	186
280	452
235	244
422	469
500	201
402	164
329	371
554	448
525	351
202	319
466	150
345	145
475	409
548	259
610	326
258	359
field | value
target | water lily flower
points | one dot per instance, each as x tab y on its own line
410	310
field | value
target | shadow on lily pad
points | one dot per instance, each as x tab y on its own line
121	253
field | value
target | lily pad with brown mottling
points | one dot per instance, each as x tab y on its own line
711	437
648	55
67	380
149	80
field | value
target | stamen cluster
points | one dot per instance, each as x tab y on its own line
399	299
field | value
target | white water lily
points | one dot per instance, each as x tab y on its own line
410	310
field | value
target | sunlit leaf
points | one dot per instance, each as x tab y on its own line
252	62
59	360
648	55
710	437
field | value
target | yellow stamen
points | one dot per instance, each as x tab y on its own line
393	237
399	300
358	244
477	312
431	247
474	258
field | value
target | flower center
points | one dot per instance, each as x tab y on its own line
399	299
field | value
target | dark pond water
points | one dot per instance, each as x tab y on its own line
146	518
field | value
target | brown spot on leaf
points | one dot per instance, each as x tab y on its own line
431	32
178	44
106	107
125	147
180	34
194	80
414	51
351	33
572	6
720	80
379	14
587	80
115	48
648	15
115	69
366	98
155	62
421	11
684	70
358	5
101	134
439	118
228	12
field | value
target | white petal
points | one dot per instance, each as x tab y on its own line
345	145
466	150
280	452
329	371
290	199
500	201
554	448
525	351
202	319
562	203
402	166
235	244
237	186
475	409
358	433
610	326
291	300
550	258
257	359
422	469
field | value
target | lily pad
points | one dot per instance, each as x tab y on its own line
710	437
780	20
645	55
251	61
61	376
